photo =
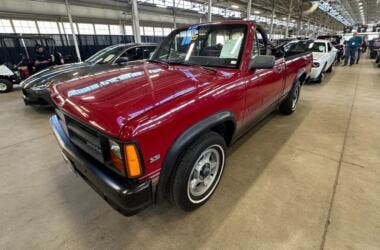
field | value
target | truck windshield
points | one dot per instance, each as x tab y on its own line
106	55
317	47
204	45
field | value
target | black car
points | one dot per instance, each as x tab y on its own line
34	90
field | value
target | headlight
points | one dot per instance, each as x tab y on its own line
125	158
116	158
316	64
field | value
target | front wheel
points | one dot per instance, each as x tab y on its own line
329	70
5	85
289	105
199	171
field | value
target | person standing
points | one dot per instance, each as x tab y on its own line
352	48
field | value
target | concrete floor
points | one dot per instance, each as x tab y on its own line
306	181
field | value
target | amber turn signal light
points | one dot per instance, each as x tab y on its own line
133	162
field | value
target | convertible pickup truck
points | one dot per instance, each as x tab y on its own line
141	133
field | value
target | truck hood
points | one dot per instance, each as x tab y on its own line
62	73
109	99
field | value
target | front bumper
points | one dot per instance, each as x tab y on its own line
125	197
37	97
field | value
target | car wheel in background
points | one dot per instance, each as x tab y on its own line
5	85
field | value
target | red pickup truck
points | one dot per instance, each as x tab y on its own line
162	129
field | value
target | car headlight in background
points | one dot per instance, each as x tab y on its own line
43	85
316	64
125	159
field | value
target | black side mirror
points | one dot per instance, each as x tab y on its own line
262	62
122	61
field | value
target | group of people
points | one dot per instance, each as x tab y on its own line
353	48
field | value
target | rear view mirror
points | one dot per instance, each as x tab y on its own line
262	62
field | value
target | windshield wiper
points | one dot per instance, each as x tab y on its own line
194	64
159	61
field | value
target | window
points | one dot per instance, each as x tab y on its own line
102	29
23	26
256	48
115	30
48	27
199	45
86	29
148	31
142	31
67	28
167	31
129	30
5	26
158	31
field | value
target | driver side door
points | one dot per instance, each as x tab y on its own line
264	86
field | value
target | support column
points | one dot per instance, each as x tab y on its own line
249	5
135	22
272	22
209	10
299	25
287	22
68	10
174	15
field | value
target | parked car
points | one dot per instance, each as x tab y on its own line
336	41
161	129
113	57
324	55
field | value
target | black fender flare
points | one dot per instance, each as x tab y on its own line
182	142
301	74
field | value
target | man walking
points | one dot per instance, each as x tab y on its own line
352	47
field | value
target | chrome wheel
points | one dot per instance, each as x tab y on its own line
3	87
296	97
205	174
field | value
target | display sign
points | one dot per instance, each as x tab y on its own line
347	29
362	28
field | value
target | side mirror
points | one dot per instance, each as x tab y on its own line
262	62
122	60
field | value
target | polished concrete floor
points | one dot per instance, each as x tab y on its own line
306	181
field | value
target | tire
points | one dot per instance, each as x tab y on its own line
329	70
187	189
5	85
321	75
289	105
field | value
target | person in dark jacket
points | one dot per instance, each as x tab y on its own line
352	48
42	60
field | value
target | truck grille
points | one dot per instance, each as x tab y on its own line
85	138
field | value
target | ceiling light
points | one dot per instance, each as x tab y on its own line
360	3
234	6
257	12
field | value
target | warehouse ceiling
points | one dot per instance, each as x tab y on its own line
331	13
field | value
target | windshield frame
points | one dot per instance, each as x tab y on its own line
122	48
169	39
